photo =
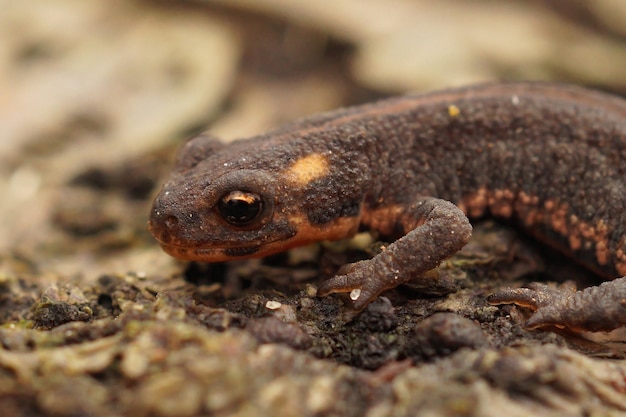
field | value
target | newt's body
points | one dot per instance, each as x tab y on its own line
552	158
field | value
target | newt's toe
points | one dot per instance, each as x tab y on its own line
360	280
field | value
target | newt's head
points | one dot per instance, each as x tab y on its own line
244	200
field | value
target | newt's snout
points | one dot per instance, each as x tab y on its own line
164	223
172	221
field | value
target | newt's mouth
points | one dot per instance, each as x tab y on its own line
221	251
209	254
278	237
223	254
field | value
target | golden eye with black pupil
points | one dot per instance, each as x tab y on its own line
240	208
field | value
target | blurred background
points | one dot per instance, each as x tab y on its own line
95	97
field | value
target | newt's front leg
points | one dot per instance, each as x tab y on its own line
435	230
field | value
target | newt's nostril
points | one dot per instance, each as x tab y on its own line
171	222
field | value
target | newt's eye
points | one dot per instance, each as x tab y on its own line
240	208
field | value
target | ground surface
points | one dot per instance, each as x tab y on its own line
97	321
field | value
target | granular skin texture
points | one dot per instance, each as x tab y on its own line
551	158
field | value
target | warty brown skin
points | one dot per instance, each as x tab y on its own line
549	157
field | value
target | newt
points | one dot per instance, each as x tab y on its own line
548	157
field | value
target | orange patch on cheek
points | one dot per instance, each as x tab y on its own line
307	169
